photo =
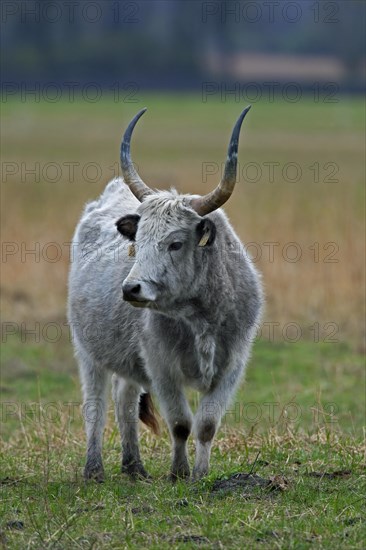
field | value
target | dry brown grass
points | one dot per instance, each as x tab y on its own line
176	137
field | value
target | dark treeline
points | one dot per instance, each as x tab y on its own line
168	43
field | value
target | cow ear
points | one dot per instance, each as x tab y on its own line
127	226
206	232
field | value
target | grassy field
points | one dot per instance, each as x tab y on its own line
298	421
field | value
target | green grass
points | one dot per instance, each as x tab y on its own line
310	513
46	504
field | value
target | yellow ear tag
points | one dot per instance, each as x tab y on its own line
204	239
131	251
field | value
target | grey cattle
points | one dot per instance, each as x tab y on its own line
163	295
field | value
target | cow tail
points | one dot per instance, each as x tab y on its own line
147	413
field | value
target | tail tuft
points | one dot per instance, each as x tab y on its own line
147	413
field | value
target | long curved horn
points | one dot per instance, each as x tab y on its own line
216	198
130	176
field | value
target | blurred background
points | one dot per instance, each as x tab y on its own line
174	45
74	74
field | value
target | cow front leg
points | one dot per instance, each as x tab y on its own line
208	417
94	382
178	416
126	397
180	431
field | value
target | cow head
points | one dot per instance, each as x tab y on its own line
171	236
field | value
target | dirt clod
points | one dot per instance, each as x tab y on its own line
331	475
18	525
248	483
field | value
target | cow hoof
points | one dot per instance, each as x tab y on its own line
94	473
181	472
198	474
136	470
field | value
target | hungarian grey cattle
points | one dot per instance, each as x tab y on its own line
162	294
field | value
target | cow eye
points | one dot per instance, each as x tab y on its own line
175	246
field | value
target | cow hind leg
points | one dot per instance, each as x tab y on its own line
126	397
94	383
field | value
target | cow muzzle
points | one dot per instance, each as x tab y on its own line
138	294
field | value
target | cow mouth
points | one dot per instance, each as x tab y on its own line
142	303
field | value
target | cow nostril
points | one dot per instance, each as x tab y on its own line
131	291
